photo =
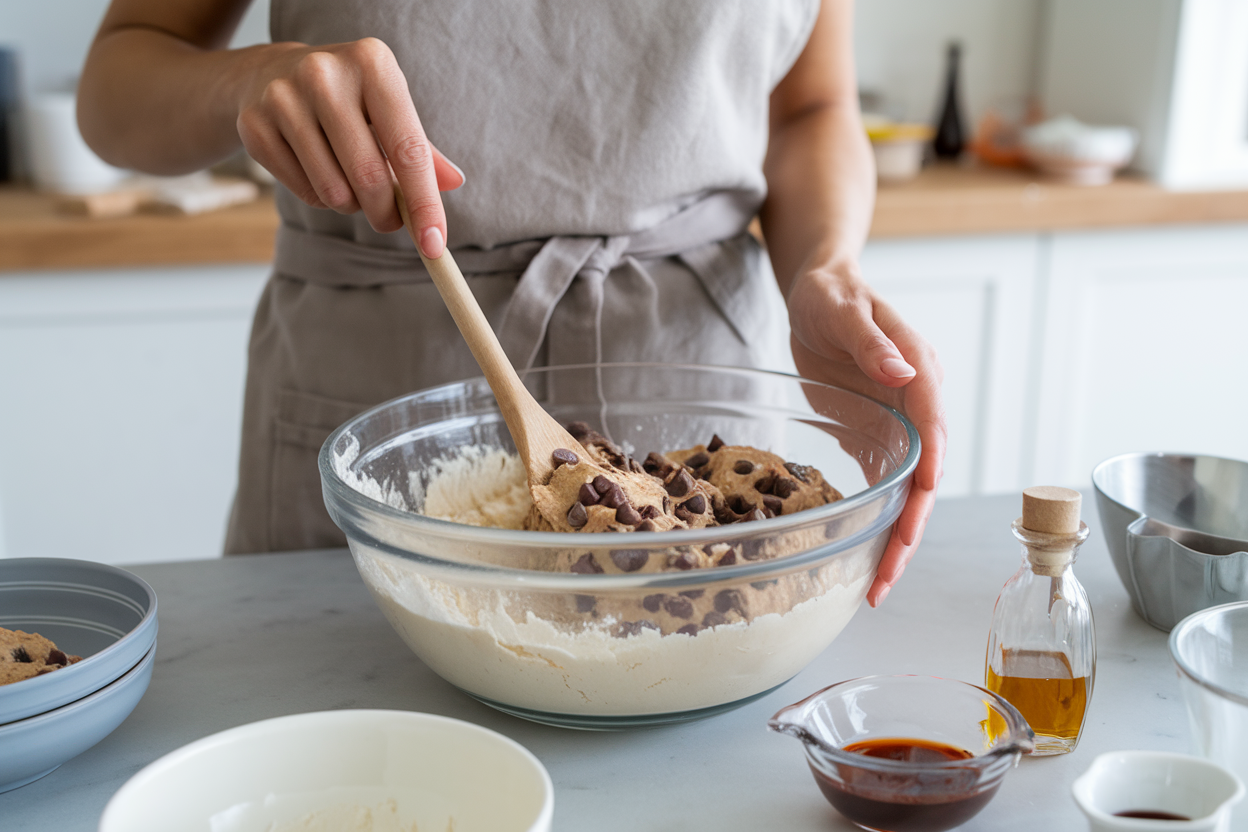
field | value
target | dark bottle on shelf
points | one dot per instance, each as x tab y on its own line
950	137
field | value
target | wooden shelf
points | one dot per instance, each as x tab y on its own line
35	235
946	200
943	200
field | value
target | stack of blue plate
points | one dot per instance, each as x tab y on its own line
102	613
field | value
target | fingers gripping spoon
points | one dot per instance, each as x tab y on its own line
536	434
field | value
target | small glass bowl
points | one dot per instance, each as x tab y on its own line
928	792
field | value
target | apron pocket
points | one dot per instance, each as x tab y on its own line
297	515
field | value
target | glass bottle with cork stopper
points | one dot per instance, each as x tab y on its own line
1042	645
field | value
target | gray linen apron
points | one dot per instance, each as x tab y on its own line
613	160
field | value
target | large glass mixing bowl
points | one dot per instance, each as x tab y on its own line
486	610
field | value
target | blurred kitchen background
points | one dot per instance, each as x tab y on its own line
1074	322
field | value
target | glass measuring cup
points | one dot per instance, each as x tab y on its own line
907	753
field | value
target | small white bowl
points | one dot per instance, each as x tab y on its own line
1157	781
327	770
1077	153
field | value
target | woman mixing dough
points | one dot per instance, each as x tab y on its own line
615	154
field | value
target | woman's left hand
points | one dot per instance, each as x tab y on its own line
845	334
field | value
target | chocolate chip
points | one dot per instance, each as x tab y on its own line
587	495
679	607
768	512
658	465
580	430
802	472
627	515
652	603
577	516
585	603
755	514
697	460
631	628
727	600
729	558
562	456
714	619
684	514
647	526
679	485
685	560
602	484
764	485
614	498
703	473
723	514
696	504
752	549
784	487
715	444
650	512
693	593
629	560
770	501
586	565
20	655
689	629
743	466
740	505
57	657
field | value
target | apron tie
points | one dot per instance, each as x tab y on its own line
566	272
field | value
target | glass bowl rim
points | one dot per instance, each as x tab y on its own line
486	536
822	755
1186	625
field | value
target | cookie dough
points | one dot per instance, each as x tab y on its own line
26	655
707	485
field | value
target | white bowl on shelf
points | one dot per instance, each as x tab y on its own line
1080	154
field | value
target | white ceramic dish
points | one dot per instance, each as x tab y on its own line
324	771
1077	153
1160	782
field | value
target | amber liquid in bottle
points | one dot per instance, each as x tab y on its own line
1041	653
1051	697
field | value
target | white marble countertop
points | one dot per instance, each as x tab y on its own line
244	639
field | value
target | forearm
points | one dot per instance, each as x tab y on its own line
153	102
821	191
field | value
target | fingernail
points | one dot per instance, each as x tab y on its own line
897	368
883	595
458	169
431	242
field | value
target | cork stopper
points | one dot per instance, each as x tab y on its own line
1050	527
1051	509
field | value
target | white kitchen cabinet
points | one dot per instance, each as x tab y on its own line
120	405
1143	347
972	298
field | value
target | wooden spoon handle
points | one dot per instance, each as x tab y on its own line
534	431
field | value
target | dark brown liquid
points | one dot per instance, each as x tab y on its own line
1149	814
930	801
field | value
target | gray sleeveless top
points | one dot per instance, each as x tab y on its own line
613	152
657	103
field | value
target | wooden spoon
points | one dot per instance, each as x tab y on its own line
536	434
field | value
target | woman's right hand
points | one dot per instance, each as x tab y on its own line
332	122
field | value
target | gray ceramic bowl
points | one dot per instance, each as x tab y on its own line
99	612
1177	530
34	747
